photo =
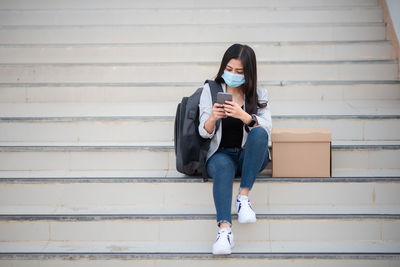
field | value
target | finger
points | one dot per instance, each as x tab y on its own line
233	104
216	105
229	108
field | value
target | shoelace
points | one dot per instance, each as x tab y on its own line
225	232
240	204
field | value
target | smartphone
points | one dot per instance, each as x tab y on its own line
222	97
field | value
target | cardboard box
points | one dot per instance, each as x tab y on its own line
301	152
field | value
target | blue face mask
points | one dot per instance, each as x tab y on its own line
232	79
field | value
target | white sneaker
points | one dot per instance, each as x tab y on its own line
224	243
244	210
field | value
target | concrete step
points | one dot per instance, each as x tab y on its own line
137	93
371	159
190	16
194	71
185	52
201	259
183	209
323	91
197	259
162	109
273	196
347	128
348	249
166	229
187	209
241	33
122	4
124	130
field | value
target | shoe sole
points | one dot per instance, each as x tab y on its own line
221	252
248	221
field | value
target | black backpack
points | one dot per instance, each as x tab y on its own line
190	148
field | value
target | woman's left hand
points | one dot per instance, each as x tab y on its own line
232	109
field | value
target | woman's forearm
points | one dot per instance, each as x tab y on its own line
209	125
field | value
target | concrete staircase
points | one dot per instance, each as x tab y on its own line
88	92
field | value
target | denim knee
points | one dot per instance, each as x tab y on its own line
217	163
259	134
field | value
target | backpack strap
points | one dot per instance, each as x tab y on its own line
214	88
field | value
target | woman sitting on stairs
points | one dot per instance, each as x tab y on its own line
240	145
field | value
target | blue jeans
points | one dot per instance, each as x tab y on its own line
228	162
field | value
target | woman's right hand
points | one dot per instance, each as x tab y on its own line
218	112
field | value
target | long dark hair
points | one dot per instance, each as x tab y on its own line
245	54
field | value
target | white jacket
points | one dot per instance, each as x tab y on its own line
205	109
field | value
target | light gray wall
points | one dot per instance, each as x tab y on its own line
394	10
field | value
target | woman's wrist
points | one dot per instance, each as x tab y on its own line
246	118
212	119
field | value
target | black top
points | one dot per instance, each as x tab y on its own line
232	133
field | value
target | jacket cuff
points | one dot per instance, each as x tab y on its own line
203	133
